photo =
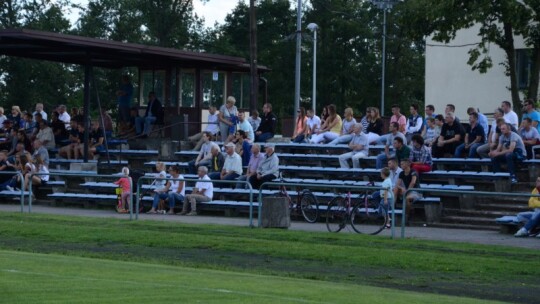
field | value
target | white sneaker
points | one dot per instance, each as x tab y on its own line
522	232
10	188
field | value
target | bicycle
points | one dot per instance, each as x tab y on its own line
306	203
367	216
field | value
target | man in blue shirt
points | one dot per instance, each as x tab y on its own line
124	94
530	112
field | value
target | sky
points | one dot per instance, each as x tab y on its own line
212	10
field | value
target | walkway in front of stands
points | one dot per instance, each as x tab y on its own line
428	233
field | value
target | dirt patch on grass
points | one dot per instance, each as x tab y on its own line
336	271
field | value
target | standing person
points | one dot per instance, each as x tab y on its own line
202	192
415	123
125	183
375	125
301	128
39	110
124	97
387	194
530	112
509	150
267	129
360	148
474	138
530	136
228	116
533	219
330	129
408	179
154	114
268	169
452	134
174	191
509	115
254	162
212	127
420	155
347	132
254	120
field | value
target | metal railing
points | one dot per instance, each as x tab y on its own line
338	186
458	192
21	179
111	176
139	183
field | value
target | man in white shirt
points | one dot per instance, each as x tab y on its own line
232	168
509	115
245	126
202	192
211	127
64	116
174	191
359	145
205	155
313	122
414	123
39	109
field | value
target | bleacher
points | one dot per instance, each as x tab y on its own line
314	164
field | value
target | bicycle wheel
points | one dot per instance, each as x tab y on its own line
368	216
336	214
310	206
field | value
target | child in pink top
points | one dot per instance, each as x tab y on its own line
124	183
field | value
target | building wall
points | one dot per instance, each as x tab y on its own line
449	79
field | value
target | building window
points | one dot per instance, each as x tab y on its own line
152	81
523	68
213	88
240	89
187	88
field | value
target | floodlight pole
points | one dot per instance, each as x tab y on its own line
314	27
298	57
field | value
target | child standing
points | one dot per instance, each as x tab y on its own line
387	194
125	184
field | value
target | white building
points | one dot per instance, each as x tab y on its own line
449	79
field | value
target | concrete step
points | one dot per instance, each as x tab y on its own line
468	220
503	207
490	214
464	226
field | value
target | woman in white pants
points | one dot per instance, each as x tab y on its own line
330	129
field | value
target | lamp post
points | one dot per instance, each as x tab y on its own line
314	27
298	59
385	5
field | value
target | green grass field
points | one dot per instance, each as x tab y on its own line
46	258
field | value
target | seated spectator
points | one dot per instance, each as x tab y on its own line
267	128
37	180
2	117
474	138
450	108
347	132
313	122
96	141
7	134
78	150
493	135
398	118
452	134
205	155
77	115
324	114
254	119
242	146
301	128
268	169
394	133
254	162
127	129
432	132
401	150
41	151
105	122
153	115
29	124
509	115
330	129
408	179
161	179
16	152
64	116
173	192
24	165
359	145
375	125
39	110
509	150
211	127
228	115
58	128
23	138
37	120
68	151
232	167
430	113
420	155
244	126
530	135
16	117
482	121
216	163
529	111
533	218
202	192
414	123
46	135
5	167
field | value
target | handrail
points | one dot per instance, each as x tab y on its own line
80	175
196	180
468	193
21	177
339	186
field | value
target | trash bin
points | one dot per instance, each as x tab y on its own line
275	213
